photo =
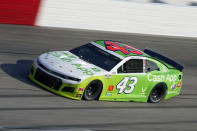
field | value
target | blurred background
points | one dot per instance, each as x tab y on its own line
159	17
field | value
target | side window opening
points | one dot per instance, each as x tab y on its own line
151	66
132	66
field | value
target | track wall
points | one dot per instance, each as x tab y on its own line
106	15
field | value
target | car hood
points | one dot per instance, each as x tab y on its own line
66	63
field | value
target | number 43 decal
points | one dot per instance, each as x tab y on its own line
122	86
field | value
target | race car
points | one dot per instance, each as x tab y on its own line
109	71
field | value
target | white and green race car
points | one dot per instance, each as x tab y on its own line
108	70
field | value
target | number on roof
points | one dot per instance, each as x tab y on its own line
115	46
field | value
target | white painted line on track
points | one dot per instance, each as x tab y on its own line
78	129
71	129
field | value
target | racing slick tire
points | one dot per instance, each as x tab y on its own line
158	93
93	90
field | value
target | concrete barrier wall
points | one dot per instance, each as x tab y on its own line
105	15
120	16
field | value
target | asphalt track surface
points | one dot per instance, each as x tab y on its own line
25	106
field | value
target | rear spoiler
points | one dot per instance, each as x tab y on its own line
168	60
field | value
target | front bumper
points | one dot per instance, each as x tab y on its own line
54	84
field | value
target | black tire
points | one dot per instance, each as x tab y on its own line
93	90
158	93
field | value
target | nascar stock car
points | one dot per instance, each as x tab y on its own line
108	70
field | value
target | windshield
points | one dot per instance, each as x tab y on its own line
96	56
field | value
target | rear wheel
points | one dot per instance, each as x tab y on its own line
93	90
158	93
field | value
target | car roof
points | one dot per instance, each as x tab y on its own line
120	49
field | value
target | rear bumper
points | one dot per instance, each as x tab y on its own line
64	89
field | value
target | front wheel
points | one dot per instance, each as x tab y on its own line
158	93
93	90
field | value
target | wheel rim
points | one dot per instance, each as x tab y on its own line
157	94
92	90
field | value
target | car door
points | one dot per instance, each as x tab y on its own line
128	82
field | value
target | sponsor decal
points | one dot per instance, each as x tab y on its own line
80	89
78	95
170	78
110	88
108	94
68	58
84	70
62	55
173	86
68	55
95	69
179	84
115	46
107	76
173	92
143	90
65	59
156	77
